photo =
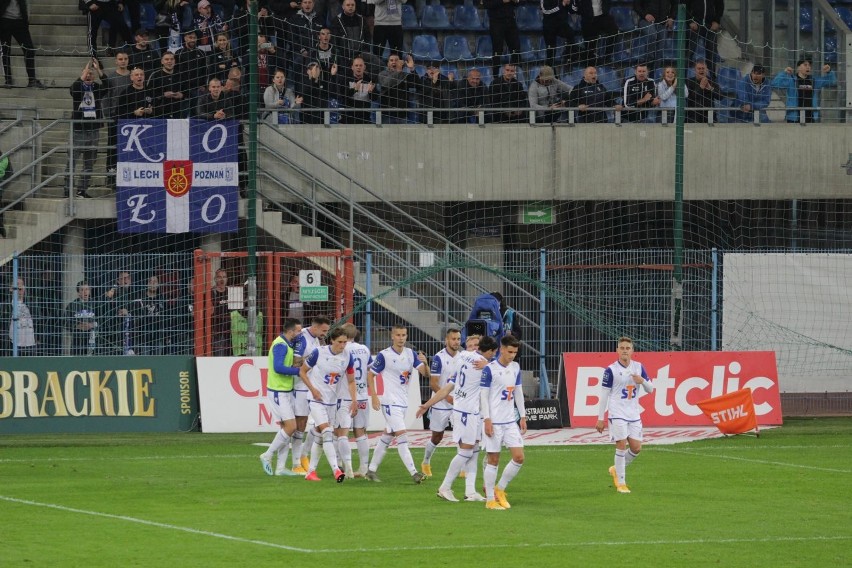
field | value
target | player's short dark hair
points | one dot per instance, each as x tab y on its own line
320	320
487	343
509	341
452	330
337	332
399	325
82	283
290	324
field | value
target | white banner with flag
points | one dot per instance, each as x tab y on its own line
177	176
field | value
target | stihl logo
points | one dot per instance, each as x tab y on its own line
728	414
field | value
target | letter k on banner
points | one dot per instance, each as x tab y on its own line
732	413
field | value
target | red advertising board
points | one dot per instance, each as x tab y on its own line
681	379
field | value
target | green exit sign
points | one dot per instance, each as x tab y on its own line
537	215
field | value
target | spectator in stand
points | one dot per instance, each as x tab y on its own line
115	321
753	95
228	7
135	101
357	92
116	82
87	96
274	22
109	11
704	17
173	20
221	316
147	311
20	332
802	89
192	67
221	60
295	306
143	54
349	32
387	25
597	27
470	94
209	25
640	96
703	93
589	93
177	315
303	28
656	20
555	23
667	92
319	90
547	96
167	90
436	92
507	92
15	23
394	84
326	53
81	320
267	61
503	29
280	96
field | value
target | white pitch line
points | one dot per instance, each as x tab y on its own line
488	545
129	458
763	462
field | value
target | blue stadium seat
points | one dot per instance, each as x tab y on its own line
409	17
608	77
485	22
425	47
446	69
522	77
728	78
420	70
466	17
845	15
623	17
806	18
484	48
148	15
573	77
487	74
529	51
456	48
830	47
528	17
435	17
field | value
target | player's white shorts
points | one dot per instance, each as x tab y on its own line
622	429
281	405
323	413
439	419
467	428
344	420
394	418
301	403
504	435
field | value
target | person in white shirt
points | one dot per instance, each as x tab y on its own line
619	392
441	371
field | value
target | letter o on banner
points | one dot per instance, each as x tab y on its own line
222	139
209	203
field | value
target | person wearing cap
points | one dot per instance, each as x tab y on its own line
547	96
753	94
802	89
142	54
208	25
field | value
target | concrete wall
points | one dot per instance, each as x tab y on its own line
452	163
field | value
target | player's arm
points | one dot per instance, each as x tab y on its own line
485	401
441	394
279	355
299	355
423	367
371	388
642	380
435	374
305	369
519	403
353	392
606	389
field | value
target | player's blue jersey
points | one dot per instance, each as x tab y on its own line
327	371
361	361
395	369
467	379
503	384
623	401
442	367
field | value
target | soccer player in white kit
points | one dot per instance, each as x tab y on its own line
619	392
321	372
361	360
395	365
310	338
501	393
467	424
441	371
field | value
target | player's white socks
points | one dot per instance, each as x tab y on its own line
620	465
470	470
459	462
344	450
315	454
405	453
430	449
328	448
283	454
490	478
629	457
297	440
363	445
379	452
509	473
309	443
277	442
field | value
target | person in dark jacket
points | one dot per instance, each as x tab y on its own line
597	26
503	29
436	91
703	92
15	23
589	93
349	32
87	97
319	90
555	23
507	92
656	19
704	17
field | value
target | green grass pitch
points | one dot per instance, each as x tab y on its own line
202	500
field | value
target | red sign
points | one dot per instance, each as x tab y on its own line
681	379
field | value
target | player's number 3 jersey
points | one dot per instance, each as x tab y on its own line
623	398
